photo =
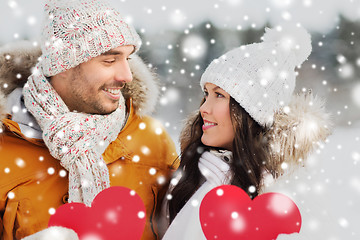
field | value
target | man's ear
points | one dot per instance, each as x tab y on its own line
61	76
58	80
64	75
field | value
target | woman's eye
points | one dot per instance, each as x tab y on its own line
219	95
129	58
206	94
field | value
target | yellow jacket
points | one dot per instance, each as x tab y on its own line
32	182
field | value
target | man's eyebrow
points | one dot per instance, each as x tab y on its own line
115	52
112	52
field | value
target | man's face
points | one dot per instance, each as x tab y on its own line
94	86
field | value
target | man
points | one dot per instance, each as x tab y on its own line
78	125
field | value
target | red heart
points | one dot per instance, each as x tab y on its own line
227	212
115	213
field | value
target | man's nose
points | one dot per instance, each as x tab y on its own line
123	72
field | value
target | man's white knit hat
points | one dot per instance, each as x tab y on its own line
261	76
75	31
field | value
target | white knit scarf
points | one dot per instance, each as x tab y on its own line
76	139
186	225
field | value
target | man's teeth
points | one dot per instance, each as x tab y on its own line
209	124
113	91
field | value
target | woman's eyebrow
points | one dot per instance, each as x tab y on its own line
213	89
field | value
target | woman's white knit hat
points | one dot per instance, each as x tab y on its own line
75	31
261	76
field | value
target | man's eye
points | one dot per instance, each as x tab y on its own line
110	61
206	94
129	58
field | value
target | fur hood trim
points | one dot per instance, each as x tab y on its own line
297	131
2	108
144	88
185	134
18	59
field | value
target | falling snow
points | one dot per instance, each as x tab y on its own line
179	43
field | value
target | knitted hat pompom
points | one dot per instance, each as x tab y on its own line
295	40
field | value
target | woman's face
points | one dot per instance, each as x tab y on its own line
217	129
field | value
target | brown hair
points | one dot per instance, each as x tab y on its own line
250	153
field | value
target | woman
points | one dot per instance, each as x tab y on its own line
249	126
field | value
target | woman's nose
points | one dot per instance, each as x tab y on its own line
205	107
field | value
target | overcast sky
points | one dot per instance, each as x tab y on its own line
21	18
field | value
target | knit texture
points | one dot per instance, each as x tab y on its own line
75	31
76	139
261	76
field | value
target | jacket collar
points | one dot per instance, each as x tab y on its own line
16	107
13	127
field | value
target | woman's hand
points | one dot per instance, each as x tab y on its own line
293	236
54	233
